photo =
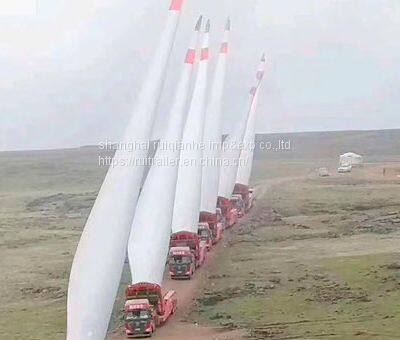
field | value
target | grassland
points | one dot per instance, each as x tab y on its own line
316	257
45	198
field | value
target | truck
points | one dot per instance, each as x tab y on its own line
228	211
345	168
181	263
246	193
191	240
239	204
251	199
146	308
205	234
215	223
221	218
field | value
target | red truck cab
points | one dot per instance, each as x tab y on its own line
181	263
191	240
246	193
205	235
146	308
239	204
215	223
228	211
139	318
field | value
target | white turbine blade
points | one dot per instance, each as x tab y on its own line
151	227
233	143
213	132
247	154
188	188
98	263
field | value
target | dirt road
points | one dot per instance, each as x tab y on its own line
178	327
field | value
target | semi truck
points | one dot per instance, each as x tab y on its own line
239	204
181	263
191	240
146	308
228	211
246	193
215	223
205	234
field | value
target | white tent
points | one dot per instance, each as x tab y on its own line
351	158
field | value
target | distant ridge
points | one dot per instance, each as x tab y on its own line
365	141
333	143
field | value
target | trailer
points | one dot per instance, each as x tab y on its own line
146	308
215	223
181	263
191	240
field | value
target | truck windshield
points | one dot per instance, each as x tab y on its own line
137	314
203	233
179	259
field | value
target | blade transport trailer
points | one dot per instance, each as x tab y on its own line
146	308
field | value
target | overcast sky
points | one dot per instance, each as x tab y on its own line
70	69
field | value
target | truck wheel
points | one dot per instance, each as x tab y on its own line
151	333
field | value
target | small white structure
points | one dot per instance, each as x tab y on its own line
351	158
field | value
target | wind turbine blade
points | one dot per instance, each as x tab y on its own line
231	150
213	131
245	163
188	188
151	227
98	262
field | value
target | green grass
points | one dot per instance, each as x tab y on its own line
45	198
264	283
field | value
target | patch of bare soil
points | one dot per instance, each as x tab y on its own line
67	205
44	292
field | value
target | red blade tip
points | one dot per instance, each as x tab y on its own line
190	56
205	54
224	48
176	5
